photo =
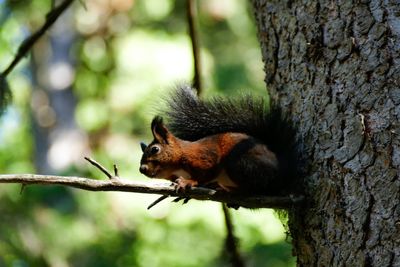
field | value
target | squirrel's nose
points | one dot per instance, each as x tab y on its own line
143	168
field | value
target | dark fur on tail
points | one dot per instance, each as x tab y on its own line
191	118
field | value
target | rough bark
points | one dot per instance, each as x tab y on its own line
335	66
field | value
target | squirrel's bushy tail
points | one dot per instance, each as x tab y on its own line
191	118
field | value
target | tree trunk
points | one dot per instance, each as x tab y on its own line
335	66
57	138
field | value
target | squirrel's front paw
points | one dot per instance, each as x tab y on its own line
182	184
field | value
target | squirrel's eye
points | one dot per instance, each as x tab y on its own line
154	150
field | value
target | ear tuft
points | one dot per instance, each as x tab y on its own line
160	132
143	146
157	120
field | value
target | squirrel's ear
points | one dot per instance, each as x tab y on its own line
160	132
143	146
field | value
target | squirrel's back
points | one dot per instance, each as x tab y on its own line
191	118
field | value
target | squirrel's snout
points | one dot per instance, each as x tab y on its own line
143	168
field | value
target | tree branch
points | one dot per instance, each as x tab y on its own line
231	242
26	45
191	13
163	188
51	17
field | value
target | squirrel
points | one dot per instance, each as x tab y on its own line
238	145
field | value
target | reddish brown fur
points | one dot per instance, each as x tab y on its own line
202	158
199	161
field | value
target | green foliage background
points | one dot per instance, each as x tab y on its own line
127	55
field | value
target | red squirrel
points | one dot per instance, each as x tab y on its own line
237	144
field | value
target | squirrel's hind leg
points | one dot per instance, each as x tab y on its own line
253	167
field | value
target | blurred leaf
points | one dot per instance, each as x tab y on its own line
92	114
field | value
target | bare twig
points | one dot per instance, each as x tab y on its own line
108	174
158	200
22	188
26	45
116	171
231	242
162	188
103	169
192	17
